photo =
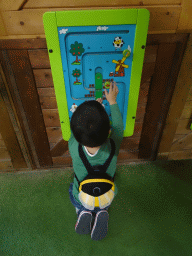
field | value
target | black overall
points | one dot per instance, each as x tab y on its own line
96	172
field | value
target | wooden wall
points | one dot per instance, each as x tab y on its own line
176	140
162	128
44	82
40	125
23	19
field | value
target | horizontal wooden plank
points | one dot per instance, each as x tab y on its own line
48	99
40	59
33	4
51	117
54	134
23	43
46	92
43	78
164	18
5	164
42	36
33	42
30	22
185	143
48	102
11	5
187	154
166	38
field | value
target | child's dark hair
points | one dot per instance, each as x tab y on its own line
90	124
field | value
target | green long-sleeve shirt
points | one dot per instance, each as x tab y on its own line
103	153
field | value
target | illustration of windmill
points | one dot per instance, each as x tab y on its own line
119	69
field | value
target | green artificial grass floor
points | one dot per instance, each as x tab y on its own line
151	214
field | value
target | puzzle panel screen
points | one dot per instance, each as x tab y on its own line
92	57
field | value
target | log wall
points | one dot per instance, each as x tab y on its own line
22	33
23	19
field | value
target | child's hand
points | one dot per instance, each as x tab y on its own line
100	100
112	95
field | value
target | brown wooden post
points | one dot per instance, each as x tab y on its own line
20	64
168	63
8	133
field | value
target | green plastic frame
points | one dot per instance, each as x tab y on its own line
52	20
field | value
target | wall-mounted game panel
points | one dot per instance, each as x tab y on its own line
88	50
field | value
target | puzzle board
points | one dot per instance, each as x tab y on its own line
88	50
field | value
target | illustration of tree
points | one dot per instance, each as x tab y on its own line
76	73
77	50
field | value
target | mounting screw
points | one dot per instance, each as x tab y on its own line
143	47
50	50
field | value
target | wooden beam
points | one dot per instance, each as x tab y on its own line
9	135
30	101
22	44
11	5
34	43
39	58
14	118
22	120
185	21
30	22
34	4
43	78
158	103
182	89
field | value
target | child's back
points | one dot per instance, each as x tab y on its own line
99	158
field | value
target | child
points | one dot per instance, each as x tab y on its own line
90	130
